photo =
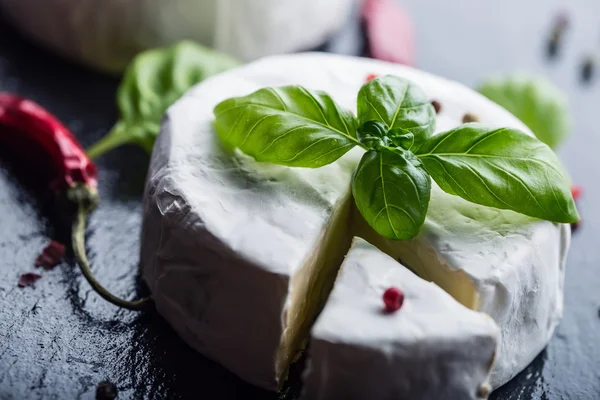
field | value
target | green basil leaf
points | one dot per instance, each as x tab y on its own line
535	101
372	135
398	103
391	190
502	168
153	81
288	125
402	138
372	128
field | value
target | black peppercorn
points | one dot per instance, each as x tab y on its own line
558	29
106	391
587	69
469	117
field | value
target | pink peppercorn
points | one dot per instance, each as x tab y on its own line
576	191
370	77
393	299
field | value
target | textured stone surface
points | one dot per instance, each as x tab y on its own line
59	340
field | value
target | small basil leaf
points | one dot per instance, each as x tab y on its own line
288	125
502	168
391	190
372	135
153	81
373	128
398	103
535	101
402	138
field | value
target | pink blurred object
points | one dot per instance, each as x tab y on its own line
389	31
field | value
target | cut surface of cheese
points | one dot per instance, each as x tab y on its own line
431	348
240	256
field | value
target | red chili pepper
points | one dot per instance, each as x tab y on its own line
27	122
40	138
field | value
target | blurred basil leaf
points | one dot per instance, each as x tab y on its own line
535	101
153	81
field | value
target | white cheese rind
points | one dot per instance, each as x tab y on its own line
432	348
224	236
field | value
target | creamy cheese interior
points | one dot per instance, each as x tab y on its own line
241	256
423	258
311	286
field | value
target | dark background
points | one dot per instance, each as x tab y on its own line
59	339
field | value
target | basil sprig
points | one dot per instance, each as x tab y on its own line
502	168
153	81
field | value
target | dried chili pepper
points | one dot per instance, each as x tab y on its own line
51	255
40	138
28	279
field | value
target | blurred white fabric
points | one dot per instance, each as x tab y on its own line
105	34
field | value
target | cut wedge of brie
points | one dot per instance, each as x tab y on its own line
241	256
431	348
505	264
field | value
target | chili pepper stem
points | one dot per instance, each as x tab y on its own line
72	169
78	238
115	138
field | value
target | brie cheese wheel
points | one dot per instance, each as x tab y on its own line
240	256
431	348
106	34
